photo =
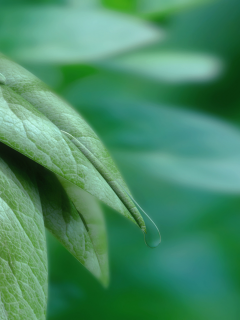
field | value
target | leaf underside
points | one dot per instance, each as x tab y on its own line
23	257
80	228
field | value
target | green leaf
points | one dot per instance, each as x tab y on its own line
77	155
23	258
70	35
77	223
167	66
92	215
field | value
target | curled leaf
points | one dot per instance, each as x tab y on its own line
77	154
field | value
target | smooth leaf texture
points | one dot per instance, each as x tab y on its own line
70	35
169	143
84	161
23	258
78	225
167	66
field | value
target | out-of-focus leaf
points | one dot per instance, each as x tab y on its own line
167	66
211	174
70	35
23	258
77	223
85	148
84	4
165	7
92	215
168	143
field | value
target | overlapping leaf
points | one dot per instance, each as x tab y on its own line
75	153
38	124
92	216
23	258
77	223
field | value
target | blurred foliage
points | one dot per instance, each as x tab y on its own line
167	108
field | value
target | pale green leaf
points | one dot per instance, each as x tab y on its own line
167	66
70	35
77	223
23	257
167	143
77	154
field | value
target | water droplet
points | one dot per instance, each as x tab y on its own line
152	235
2	79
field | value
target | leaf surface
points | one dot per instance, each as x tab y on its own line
70	35
168	143
23	257
27	130
167	66
77	223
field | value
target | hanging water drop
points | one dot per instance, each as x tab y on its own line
2	79
152	235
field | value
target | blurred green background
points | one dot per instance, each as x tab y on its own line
159	82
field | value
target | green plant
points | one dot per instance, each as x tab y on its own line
159	143
50	160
